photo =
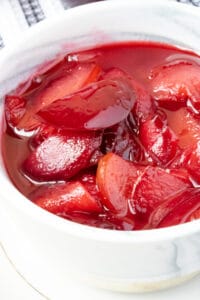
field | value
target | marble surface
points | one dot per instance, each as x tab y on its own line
14	287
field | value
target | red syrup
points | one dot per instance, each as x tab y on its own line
109	137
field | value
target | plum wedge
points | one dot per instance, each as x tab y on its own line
59	85
14	109
159	140
116	179
177	84
65	198
129	187
61	156
177	209
156	185
99	105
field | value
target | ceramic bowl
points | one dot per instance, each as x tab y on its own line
47	249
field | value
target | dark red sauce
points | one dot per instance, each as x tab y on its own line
109	137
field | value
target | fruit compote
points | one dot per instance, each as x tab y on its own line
109	137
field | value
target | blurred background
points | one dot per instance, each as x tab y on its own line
18	15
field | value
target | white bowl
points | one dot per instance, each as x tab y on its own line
47	249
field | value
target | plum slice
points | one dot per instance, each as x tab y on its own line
159	140
61	85
14	109
191	161
61	156
66	197
185	126
116	180
194	215
133	188
156	185
177	84
68	83
99	105
177	209
144	107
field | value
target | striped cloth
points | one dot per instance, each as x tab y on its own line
19	15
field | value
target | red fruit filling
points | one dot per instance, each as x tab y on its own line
177	84
177	209
116	180
156	185
65	198
122	140
99	105
14	109
61	156
109	137
158	139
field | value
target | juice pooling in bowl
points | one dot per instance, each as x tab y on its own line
109	137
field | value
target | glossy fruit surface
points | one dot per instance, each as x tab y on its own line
109	137
61	156
65	198
177	84
97	106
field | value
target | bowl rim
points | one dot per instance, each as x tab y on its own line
20	39
36	213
